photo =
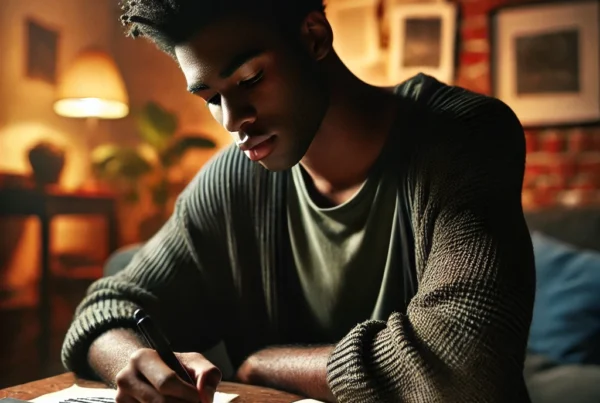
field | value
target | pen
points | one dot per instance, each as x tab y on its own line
158	342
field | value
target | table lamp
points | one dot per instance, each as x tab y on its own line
92	87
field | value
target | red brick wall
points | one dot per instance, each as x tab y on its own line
563	166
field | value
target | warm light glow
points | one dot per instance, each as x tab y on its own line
92	88
91	107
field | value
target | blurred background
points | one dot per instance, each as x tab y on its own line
98	134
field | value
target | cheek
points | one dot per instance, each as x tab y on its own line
282	86
217	113
279	95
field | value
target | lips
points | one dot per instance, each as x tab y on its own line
257	148
250	142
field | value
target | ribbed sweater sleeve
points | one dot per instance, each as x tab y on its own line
464	334
165	278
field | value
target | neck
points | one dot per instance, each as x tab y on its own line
352	133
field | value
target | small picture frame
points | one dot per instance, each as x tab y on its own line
422	39
544	61
41	52
355	31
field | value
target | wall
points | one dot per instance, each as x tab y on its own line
26	116
563	166
26	113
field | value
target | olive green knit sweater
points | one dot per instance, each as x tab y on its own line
220	267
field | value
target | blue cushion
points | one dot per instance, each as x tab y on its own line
566	315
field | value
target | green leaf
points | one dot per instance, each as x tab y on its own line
113	162
104	152
156	125
101	158
175	151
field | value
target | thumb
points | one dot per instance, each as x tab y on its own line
205	373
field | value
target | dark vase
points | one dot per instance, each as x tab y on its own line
47	161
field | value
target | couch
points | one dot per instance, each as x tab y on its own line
563	362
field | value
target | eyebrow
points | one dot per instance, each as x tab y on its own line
237	62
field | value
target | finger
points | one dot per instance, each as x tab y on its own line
162	378
204	371
124	397
133	387
144	392
207	384
207	375
126	380
130	387
207	394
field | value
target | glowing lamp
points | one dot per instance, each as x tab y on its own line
92	87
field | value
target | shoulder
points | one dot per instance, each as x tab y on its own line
470	122
461	139
227	168
227	182
454	104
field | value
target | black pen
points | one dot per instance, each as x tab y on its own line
158	342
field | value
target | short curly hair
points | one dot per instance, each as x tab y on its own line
168	23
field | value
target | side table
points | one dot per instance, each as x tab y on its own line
47	204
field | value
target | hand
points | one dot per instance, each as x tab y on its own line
244	373
147	379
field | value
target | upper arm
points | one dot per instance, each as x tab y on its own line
165	278
185	268
477	270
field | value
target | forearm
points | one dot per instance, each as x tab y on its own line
110	353
301	370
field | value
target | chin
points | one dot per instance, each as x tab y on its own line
280	161
287	153
275	165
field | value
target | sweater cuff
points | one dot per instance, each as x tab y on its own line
350	362
365	365
90	323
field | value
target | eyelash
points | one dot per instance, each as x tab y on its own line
216	100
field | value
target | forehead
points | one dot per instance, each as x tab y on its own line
218	43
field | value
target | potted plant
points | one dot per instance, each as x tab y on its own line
132	170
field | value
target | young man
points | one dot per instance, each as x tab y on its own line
357	244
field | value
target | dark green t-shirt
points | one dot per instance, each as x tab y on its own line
342	254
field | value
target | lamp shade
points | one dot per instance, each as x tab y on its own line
92	87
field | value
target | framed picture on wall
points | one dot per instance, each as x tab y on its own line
355	31
41	52
422	39
545	61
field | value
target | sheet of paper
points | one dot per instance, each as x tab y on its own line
77	394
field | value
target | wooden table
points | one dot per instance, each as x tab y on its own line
47	204
248	394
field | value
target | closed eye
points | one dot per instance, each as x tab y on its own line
252	80
216	100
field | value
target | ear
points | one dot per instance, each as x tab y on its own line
317	35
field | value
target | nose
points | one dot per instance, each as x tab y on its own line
236	115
